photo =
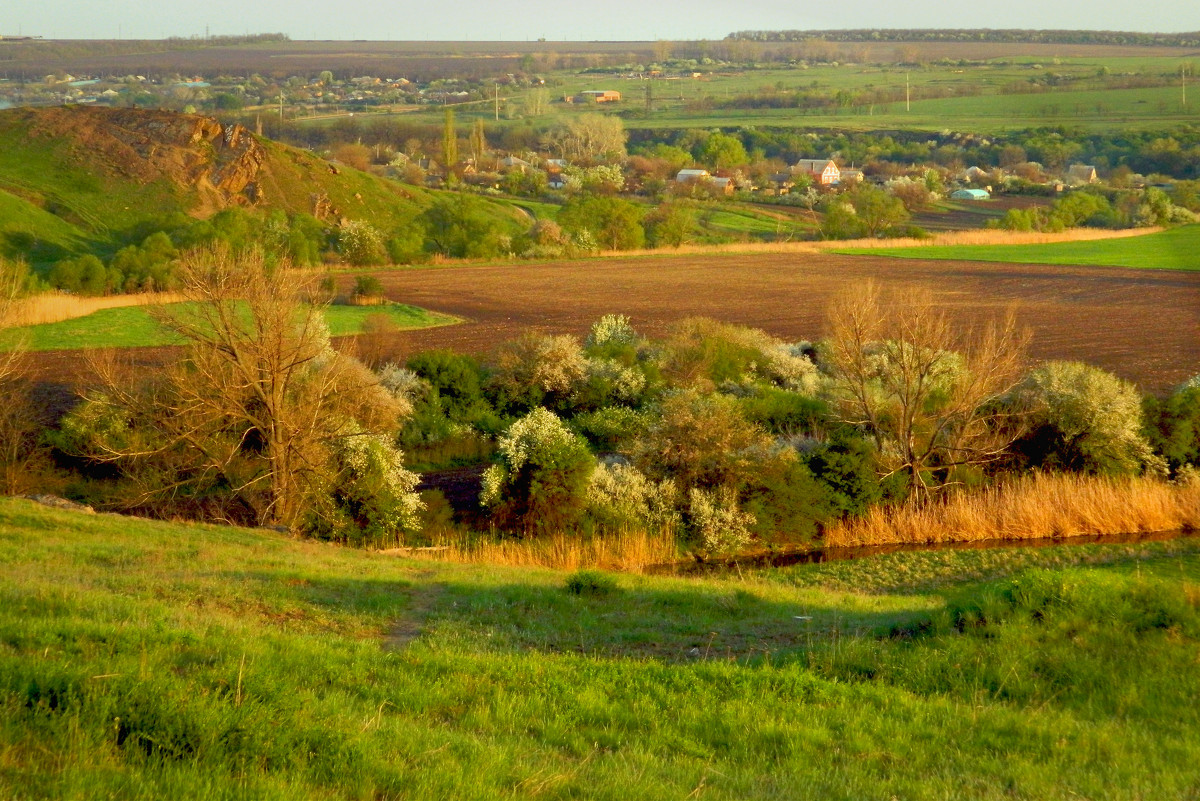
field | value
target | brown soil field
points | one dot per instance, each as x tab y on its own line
413	60
1144	325
428	60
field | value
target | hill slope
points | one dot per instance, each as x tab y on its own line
88	178
151	660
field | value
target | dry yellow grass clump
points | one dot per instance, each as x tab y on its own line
1032	507
53	308
628	551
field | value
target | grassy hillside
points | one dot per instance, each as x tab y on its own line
1173	249
77	189
150	660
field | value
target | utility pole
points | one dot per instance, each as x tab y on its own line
281	107
907	94
497	87
1183	84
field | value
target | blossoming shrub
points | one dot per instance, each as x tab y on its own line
620	496
1084	419
540	484
372	499
716	523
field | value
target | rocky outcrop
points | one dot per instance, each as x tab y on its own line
221	163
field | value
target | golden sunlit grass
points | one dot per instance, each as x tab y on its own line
627	551
989	237
1030	508
950	238
54	308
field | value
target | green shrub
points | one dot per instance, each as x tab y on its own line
591	582
1083	419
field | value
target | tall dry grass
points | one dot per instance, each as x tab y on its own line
53	308
1032	507
627	551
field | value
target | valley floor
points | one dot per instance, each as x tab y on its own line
151	660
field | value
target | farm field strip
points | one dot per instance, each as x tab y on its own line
1173	249
136	326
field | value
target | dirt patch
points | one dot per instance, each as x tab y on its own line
424	600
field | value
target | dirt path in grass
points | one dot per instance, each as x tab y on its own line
406	629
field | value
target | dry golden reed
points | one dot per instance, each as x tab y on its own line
628	551
53	308
1032	507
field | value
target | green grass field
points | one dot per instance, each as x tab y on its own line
989	96
1173	249
135	326
153	660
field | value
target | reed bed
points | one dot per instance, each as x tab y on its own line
54	308
627	551
1033	507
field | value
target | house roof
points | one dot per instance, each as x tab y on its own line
691	175
814	165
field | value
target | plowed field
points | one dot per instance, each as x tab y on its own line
1144	325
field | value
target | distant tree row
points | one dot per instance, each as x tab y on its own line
1024	36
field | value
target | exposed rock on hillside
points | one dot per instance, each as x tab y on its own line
220	163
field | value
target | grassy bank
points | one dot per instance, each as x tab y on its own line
150	660
135	326
1173	249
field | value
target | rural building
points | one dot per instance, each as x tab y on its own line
600	95
724	185
683	176
971	194
822	171
1080	174
850	176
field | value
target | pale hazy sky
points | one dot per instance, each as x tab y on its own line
522	20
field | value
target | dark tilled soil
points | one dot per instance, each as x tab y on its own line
1143	325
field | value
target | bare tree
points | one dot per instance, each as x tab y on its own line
12	281
591	137
926	390
259	402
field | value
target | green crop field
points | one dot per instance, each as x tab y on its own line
989	95
1173	249
136	326
152	660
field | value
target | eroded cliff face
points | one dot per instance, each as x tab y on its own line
221	163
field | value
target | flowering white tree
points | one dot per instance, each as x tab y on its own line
540	484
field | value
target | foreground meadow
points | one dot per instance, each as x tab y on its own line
151	660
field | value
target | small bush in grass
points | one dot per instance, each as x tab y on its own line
367	287
591	582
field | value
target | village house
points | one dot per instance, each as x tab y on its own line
684	176
1081	174
599	96
822	171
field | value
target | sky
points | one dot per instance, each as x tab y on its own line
570	20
